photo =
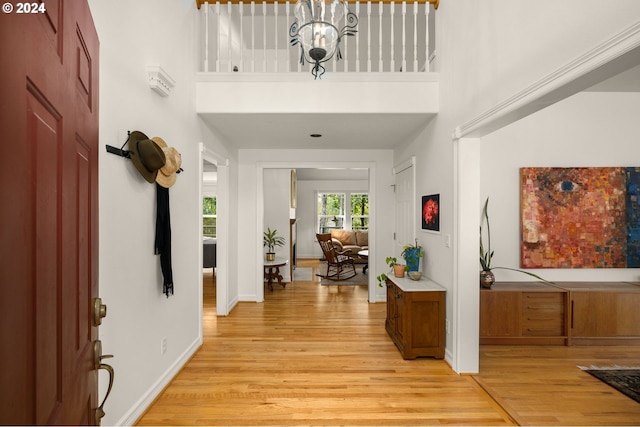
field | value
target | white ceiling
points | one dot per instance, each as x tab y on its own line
339	131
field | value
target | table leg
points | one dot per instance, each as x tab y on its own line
269	276
279	277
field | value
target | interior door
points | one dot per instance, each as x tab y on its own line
49	219
405	207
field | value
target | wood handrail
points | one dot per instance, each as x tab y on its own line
435	3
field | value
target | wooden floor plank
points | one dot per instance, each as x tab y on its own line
542	385
319	355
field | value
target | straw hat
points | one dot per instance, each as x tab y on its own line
167	175
146	155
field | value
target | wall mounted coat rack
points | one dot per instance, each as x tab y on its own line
119	151
126	153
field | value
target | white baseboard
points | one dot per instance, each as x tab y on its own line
139	408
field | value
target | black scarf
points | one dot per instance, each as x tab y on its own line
163	238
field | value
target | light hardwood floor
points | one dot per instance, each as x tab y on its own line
319	355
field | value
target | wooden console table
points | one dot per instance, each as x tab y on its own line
272	272
415	317
562	313
524	313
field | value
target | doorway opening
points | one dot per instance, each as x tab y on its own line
214	208
209	229
298	213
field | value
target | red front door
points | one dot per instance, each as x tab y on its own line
49	214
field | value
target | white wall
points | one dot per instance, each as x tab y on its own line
492	49
588	129
307	210
249	229
488	52
277	202
133	35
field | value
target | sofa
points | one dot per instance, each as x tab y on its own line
353	240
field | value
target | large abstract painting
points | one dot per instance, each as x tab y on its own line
580	217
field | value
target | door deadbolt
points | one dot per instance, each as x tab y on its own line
99	311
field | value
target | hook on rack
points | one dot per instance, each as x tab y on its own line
119	151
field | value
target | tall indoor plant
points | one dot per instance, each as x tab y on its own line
487	277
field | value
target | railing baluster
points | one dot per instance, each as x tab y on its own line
403	67
264	37
426	47
287	11
205	65
415	36
253	36
345	56
276	34
218	38
380	10
358	39
392	61
241	6
230	65
369	36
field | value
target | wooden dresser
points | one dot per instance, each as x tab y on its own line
562	313
416	317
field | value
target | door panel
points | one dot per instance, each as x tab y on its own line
404	209
49	117
44	135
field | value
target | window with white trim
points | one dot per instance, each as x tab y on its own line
209	216
333	211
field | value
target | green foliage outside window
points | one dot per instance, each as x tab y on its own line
359	211
209	218
332	209
330	204
209	206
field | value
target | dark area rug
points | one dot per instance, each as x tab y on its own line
626	381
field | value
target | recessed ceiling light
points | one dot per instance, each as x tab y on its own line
315	135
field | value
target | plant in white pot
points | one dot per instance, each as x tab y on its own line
271	240
487	277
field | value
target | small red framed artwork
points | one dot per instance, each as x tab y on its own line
430	212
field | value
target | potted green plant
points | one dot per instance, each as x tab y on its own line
412	255
271	240
487	278
398	270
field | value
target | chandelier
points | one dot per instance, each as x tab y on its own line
319	28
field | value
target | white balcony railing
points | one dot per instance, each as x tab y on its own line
254	37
